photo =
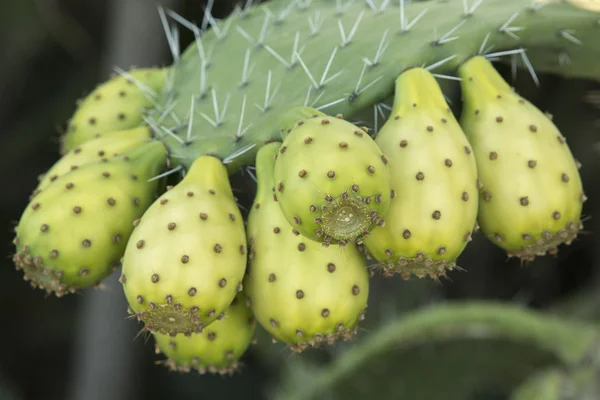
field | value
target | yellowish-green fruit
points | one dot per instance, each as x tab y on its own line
302	293
532	193
114	105
434	176
332	181
73	233
186	258
217	349
105	145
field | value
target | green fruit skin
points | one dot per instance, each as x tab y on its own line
434	176
300	291
187	255
218	348
115	105
319	163
531	183
105	145
73	233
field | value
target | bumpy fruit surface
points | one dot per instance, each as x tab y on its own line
434	176
186	258
105	145
332	181
74	232
300	292
114	105
532	194
217	349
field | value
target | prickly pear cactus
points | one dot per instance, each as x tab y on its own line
73	234
302	293
105	145
186	258
532	194
217	349
332	181
435	177
114	105
185	261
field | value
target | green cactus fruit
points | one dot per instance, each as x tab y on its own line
73	233
217	349
186	258
434	174
114	105
301	292
105	145
332	181
532	194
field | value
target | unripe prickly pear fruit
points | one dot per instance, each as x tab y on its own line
73	233
532	193
217	349
114	105
300	292
434	176
332	181
105	145
186	258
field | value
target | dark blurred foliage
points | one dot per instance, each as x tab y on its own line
52	52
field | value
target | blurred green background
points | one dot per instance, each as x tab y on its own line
53	52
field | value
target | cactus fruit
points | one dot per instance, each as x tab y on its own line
300	292
186	258
73	233
532	194
332	181
105	145
217	349
114	105
434	174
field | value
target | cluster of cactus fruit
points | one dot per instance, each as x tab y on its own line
330	197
